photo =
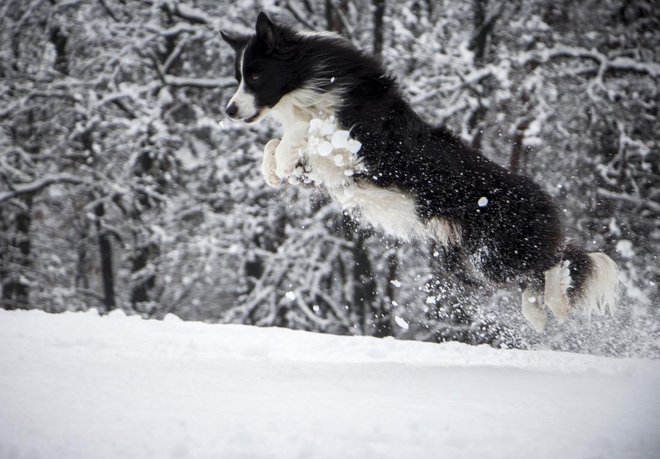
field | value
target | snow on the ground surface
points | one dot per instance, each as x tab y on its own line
82	386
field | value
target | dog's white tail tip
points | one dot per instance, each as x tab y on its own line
599	293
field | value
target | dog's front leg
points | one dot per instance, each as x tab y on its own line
268	163
286	158
289	152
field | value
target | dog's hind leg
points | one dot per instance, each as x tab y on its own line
557	283
533	307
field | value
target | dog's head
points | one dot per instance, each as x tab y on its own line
263	68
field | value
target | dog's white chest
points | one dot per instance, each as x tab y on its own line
331	160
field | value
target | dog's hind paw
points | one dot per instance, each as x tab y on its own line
556	298
533	310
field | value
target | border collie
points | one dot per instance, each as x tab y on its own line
347	128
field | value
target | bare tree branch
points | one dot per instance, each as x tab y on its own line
605	63
42	183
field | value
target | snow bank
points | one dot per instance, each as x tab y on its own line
84	386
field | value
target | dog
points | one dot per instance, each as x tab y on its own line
347	128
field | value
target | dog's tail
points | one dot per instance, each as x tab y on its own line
582	281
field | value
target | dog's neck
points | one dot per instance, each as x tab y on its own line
305	104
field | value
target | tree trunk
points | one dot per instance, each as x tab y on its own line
105	254
365	294
517	149
480	33
59	41
483	28
82	261
379	33
383	321
143	284
332	19
15	289
453	295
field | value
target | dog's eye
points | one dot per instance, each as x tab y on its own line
254	76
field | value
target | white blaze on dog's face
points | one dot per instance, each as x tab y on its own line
243	105
262	69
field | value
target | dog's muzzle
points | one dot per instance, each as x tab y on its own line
232	110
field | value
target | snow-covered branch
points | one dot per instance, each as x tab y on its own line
604	62
41	183
187	12
636	200
203	83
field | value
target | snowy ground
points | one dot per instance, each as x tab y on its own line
84	386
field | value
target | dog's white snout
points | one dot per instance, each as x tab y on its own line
242	105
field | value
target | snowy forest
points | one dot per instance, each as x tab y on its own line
123	185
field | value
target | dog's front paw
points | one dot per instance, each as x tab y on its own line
268	164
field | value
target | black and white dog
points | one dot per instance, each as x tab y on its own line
347	127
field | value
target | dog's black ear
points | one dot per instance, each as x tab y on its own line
267	32
235	41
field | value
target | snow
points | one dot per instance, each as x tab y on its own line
78	385
339	138
324	148
401	322
625	248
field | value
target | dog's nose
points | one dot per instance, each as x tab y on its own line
232	110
